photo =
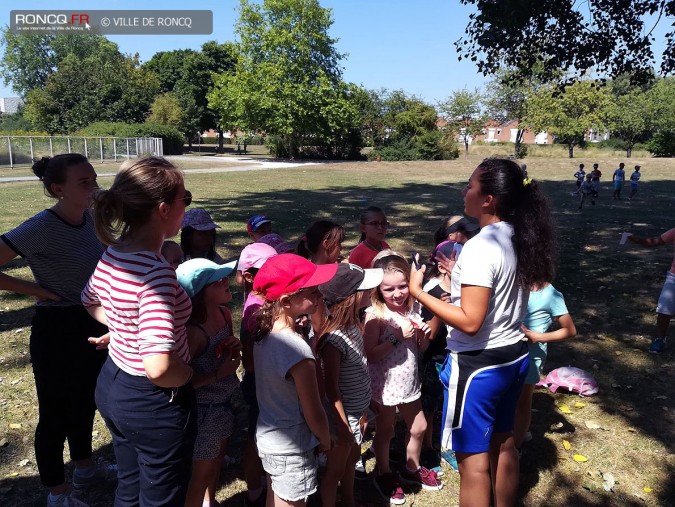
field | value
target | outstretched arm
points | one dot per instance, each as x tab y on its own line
667	238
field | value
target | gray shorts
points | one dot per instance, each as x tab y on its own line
293	476
214	424
666	303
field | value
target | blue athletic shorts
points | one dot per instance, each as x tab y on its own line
666	303
481	391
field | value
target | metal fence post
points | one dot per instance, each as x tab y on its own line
69	149
115	148
30	141
51	147
127	148
9	148
85	147
100	143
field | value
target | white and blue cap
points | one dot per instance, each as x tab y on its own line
195	274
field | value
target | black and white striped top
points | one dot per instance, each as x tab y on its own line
61	256
354	381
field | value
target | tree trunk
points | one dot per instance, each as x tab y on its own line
519	141
570	150
466	149
221	148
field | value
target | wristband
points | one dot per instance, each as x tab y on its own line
417	298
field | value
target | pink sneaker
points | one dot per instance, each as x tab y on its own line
422	477
389	487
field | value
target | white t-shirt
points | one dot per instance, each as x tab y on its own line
489	260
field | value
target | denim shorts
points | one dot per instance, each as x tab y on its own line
293	476
666	303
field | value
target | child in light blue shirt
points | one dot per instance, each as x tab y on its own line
544	306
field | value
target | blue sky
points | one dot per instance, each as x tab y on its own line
393	44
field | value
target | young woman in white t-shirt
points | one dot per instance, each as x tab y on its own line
487	356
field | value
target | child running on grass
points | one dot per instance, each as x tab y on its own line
587	191
215	359
292	422
394	337
345	371
544	306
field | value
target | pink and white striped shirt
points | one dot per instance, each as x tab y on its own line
145	306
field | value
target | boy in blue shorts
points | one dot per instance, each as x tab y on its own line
618	178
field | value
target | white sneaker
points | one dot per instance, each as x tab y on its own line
65	500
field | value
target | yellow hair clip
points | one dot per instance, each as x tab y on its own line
527	181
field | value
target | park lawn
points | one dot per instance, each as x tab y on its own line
611	293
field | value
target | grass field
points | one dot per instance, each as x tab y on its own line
611	292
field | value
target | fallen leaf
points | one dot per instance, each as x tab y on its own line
565	409
94	433
15	382
608	481
24	462
618	353
3	442
567	445
13	474
15	426
647	490
592	425
557	426
632	430
616	386
579	458
578	404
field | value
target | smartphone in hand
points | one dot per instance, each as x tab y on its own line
415	262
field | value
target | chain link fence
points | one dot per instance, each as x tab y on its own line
24	150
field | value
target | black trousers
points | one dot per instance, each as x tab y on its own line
65	366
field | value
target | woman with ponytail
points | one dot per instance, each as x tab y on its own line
144	392
60	246
487	357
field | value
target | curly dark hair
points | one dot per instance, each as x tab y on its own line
522	203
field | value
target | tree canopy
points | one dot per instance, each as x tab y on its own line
287	79
611	37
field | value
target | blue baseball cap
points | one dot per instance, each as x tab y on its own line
195	274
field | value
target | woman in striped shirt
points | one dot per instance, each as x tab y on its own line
60	246
144	392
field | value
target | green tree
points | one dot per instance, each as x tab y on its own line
29	59
506	99
168	65
629	118
608	37
571	114
166	110
463	111
103	86
662	111
287	79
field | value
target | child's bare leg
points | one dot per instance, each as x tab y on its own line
383	435
335	469
202	473
253	470
414	418
474	479
347	481
523	415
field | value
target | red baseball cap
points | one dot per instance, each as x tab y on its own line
288	273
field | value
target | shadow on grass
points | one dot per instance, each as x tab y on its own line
28	490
